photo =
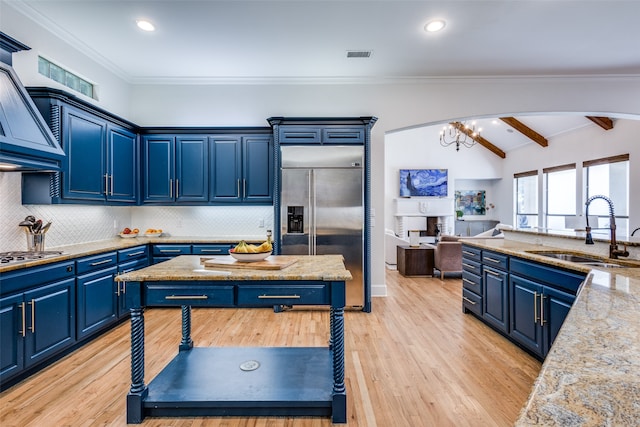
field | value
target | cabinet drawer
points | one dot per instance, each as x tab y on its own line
171	250
557	278
283	294
471	253
299	135
133	253
158	294
495	260
472	282
219	249
134	264
18	280
471	266
96	262
343	135
472	302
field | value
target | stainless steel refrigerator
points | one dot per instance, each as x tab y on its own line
322	209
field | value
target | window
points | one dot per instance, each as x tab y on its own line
608	177
64	77
526	185
560	183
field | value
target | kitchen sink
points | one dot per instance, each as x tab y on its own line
569	257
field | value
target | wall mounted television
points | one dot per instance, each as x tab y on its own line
424	182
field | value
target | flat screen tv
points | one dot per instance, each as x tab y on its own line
423	182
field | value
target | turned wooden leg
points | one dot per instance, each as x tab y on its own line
138	390
339	406
187	342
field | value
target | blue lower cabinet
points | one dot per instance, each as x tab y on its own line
217	249
97	301
556	306
275	294
526	327
495	298
35	326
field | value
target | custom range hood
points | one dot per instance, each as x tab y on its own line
26	143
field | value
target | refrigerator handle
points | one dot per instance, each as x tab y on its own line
312	213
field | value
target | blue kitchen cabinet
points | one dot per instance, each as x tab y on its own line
37	316
471	280
83	142
175	168
97	295
241	168
102	154
321	134
495	287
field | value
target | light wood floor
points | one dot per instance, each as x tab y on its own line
416	360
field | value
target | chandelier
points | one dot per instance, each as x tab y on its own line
459	134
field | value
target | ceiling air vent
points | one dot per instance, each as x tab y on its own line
359	53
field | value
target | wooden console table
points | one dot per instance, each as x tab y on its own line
244	381
416	260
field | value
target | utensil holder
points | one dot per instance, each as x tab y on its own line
35	242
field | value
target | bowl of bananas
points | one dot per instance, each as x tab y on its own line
245	252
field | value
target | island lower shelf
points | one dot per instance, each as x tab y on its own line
248	381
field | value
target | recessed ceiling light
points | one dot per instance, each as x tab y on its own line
145	25
435	25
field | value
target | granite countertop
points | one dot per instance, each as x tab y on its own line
92	248
591	377
188	268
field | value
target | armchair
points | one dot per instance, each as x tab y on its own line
448	255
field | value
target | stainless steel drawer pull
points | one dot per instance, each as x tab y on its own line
101	262
33	315
469	301
497	261
468	266
215	251
469	281
493	273
278	296
136	253
23	307
170	250
469	253
174	297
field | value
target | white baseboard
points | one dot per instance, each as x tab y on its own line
379	290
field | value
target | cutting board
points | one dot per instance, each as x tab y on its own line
274	262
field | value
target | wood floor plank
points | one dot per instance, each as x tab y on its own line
416	360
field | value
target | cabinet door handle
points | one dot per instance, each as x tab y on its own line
469	301
535	307
497	261
123	290
135	253
23	308
33	316
211	251
469	266
278	296
238	188
171	188
492	273
93	264
178	297
177	188
106	184
542	321
468	281
244	188
170	250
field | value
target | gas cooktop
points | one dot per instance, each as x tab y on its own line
22	256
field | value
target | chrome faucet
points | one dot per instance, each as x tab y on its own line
614	252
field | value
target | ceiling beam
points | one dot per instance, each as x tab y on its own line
604	122
526	130
479	139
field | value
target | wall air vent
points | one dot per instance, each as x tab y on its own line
359	53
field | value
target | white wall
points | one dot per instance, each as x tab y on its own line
397	104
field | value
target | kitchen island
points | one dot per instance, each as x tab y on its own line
245	381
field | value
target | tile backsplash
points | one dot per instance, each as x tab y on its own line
73	224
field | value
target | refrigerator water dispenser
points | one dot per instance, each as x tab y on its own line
295	219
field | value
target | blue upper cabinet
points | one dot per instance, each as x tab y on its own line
192	176
175	169
102	154
241	168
